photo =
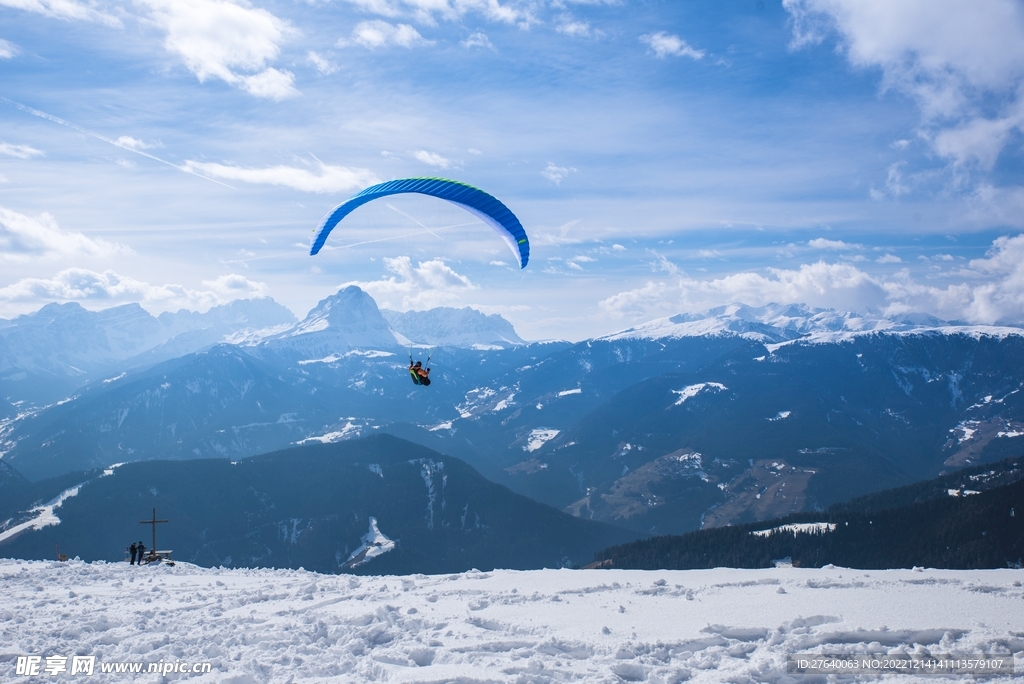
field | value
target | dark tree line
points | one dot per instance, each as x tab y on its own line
936	529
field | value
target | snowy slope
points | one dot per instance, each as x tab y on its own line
450	327
780	323
348	319
504	626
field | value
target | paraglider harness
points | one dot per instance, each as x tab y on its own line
418	377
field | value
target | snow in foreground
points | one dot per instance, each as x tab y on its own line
502	626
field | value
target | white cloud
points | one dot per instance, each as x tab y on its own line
556	174
322	178
19	151
889	259
956	59
991	290
131	143
665	44
108	287
979	140
68	10
428	284
8	49
819	284
995	205
233	286
324	66
478	39
227	41
272	84
822	243
433	159
574	29
377	33
25	238
429	11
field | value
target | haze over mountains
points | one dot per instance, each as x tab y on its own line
734	415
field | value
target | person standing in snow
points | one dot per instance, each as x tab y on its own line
142	552
134	550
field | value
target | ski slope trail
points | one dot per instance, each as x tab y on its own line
502	626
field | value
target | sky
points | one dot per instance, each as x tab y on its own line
663	156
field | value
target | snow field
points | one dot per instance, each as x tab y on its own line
502	626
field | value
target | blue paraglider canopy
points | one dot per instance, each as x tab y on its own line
486	207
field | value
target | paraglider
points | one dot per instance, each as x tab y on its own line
486	207
420	375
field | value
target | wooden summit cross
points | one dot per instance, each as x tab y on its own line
153	553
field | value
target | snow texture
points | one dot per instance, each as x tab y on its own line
45	515
797	528
542	626
374	543
539	438
691	391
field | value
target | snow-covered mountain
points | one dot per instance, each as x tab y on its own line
445	326
666	426
347	320
46	354
775	323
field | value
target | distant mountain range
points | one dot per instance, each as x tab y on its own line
44	356
449	327
735	415
969	519
47	355
379	505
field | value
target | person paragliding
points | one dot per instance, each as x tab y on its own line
420	375
484	206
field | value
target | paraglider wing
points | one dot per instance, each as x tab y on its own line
484	206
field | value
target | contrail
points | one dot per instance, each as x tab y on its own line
62	122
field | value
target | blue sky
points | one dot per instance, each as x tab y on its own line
663	156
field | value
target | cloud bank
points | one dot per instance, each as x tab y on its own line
990	291
109	288
26	238
426	285
963	63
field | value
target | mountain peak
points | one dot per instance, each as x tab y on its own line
447	326
348	319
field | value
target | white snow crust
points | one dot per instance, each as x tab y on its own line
541	626
539	438
797	528
374	543
691	391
